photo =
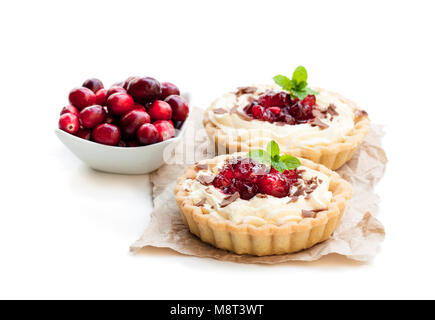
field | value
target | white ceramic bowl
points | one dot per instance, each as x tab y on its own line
135	160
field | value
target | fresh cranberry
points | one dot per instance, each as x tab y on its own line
106	134
274	184
168	89
160	110
115	89
120	103
147	134
133	144
180	108
82	97
127	82
132	120
122	144
84	134
165	128
309	100
246	189
144	90
101	97
69	109
138	106
91	116
93	84
69	122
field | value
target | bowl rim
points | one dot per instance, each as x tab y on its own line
178	132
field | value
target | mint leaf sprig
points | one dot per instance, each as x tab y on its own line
297	86
271	157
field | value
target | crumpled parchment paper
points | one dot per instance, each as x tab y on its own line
357	237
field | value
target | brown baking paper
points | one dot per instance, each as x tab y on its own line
357	237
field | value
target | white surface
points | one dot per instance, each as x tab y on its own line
65	229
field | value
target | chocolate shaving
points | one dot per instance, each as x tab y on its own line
243	115
292	199
230	199
361	113
245	90
319	123
318	114
308	214
319	210
298	192
332	110
205	180
220	111
208	190
234	109
261	195
201	203
201	166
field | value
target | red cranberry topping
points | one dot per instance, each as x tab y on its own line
69	122
107	134
147	134
249	178
91	116
280	107
168	89
144	90
82	97
93	84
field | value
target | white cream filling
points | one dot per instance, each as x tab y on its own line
259	211
259	133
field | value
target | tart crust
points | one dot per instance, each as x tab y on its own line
268	239
333	155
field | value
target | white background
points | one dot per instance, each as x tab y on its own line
65	230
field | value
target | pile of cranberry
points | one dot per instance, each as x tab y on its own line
280	107
139	111
248	178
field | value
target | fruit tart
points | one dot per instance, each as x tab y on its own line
318	125
261	203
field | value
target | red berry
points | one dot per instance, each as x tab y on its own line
257	111
127	82
120	103
160	110
275	110
274	184
122	144
309	100
274	99
84	134
291	175
69	122
168	89
82	97
93	84
115	89
147	134
180	108
132	120
306	112
101	97
91	116
144	90
133	144
69	109
165	128
246	189
106	134
138	106
243	169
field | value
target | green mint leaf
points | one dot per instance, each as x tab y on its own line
273	149
300	75
311	91
283	82
289	161
260	156
280	166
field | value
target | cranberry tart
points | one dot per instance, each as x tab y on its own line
314	124
248	206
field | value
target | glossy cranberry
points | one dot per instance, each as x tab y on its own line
101	97
120	103
127	82
131	121
165	128
160	110
268	116
287	118
295	110
93	84
84	134
180	108
82	97
138	106
291	175
274	99
257	111
115	89
306	112
147	134
275	110
69	109
69	122
243	169
92	116
144	90
122	144
274	184
133	144
246	189
106	134
309	100
168	89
